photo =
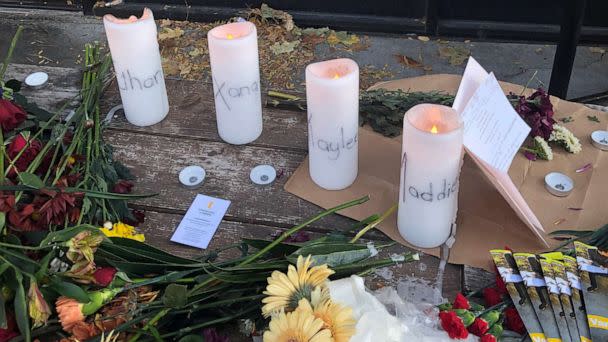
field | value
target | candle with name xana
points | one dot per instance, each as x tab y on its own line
233	51
332	100
138	68
432	154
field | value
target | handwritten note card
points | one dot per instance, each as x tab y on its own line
493	130
201	221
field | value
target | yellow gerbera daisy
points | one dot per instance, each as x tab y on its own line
337	318
284	291
297	326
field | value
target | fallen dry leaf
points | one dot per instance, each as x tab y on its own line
455	55
169	33
424	38
342	37
284	47
408	61
596	49
539	51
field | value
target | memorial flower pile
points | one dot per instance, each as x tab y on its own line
537	111
462	317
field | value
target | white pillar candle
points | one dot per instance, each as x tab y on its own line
139	73
332	99
432	154
233	51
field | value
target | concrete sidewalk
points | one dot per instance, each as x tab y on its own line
56	38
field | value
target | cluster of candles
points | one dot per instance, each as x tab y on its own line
432	134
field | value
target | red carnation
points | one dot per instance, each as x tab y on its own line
452	324
492	296
487	338
513	321
104	276
11	115
479	327
11	327
461	302
123	187
30	149
7	202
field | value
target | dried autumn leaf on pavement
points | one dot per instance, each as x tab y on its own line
342	37
169	33
408	61
455	55
423	38
284	47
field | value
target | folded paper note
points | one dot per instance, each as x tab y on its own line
488	218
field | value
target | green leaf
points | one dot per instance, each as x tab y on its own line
20	304
192	338
327	248
3	322
2	220
175	296
69	290
147	250
44	265
337	258
283	248
66	234
31	180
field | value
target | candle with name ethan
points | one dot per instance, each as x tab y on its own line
138	68
432	153
233	51
332	100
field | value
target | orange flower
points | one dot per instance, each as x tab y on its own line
37	306
69	311
83	331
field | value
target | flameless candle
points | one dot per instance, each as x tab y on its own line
332	99
431	158
138	68
233	51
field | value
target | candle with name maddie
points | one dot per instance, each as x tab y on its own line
137	64
332	99
233	51
431	159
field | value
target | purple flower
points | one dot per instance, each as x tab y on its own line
530	155
211	335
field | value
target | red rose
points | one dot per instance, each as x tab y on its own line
11	115
30	150
479	327
452	324
513	321
492	296
461	302
487	338
104	276
122	187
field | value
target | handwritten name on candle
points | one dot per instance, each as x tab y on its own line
130	82
426	193
333	146
227	93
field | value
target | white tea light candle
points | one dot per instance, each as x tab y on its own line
138	68
432	153
233	51
332	100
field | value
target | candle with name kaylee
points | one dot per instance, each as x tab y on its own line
138	68
332	100
430	167
233	51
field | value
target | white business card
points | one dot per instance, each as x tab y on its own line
201	221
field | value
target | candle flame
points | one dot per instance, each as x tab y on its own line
434	129
336	76
229	36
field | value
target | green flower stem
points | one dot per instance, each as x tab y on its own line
285	235
150	323
209	323
29	248
11	49
374	223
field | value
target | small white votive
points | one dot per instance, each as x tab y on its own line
36	79
599	139
192	176
263	174
558	184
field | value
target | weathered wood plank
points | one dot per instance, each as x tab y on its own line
192	115
474	278
159	227
157	160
